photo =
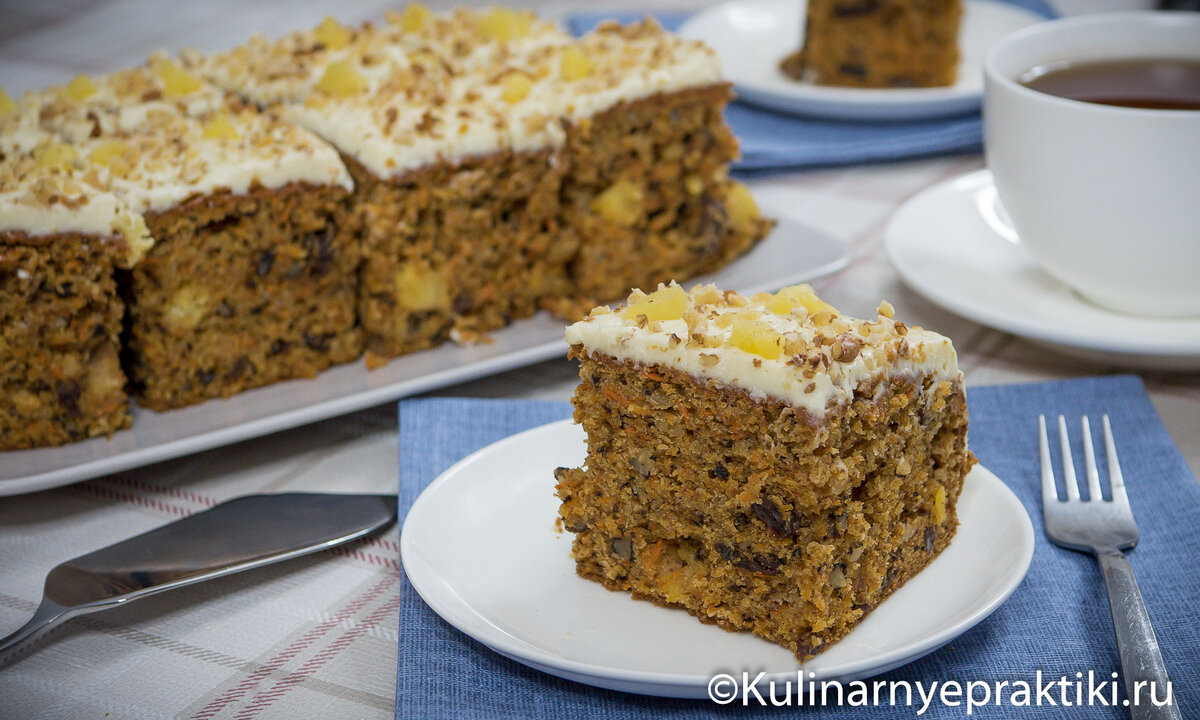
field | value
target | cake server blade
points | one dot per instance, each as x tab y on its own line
236	535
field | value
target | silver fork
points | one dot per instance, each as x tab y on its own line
1106	528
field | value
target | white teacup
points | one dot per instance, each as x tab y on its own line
1106	198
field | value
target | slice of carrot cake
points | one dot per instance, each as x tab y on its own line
765	463
457	181
878	43
501	165
252	278
62	238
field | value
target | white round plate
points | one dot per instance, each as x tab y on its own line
953	244
752	36
481	548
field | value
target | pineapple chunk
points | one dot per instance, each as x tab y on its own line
414	18
186	309
668	302
743	211
332	34
790	298
939	505
515	87
177	82
220	128
6	103
113	154
503	25
341	80
55	156
80	88
574	64
421	289
755	337
621	203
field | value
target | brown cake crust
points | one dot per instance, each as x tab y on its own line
668	155
60	323
878	43
467	246
241	291
751	515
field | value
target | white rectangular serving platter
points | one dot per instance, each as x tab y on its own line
791	253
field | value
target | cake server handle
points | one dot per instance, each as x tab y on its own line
236	535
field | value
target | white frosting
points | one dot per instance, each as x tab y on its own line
437	95
666	343
170	155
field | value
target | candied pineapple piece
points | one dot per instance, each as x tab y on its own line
80	88
132	227
939	505
186	308
55	155
743	211
341	80
503	25
220	127
790	298
620	203
755	337
515	87
177	82
421	289
115	155
6	103
668	302
414	18
332	34
574	64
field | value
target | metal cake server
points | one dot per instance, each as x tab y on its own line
240	534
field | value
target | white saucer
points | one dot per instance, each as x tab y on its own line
752	36
953	244
481	548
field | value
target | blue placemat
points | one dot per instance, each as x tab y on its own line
1057	621
775	141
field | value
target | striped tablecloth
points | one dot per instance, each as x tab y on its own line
317	637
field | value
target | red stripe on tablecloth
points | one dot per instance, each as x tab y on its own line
169	490
316	662
369	558
291	651
102	490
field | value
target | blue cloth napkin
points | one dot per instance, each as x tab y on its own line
1057	621
776	141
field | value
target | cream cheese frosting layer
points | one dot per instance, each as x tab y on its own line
808	358
93	155
428	88
46	193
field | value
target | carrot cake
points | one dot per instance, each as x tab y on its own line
252	276
62	238
762	462
501	165
878	43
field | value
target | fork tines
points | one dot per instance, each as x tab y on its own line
1070	483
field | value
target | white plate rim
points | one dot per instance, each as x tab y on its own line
679	684
1156	337
532	340
855	103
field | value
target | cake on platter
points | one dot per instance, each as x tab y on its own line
502	165
249	278
263	213
763	462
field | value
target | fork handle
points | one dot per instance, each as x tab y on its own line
1141	661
